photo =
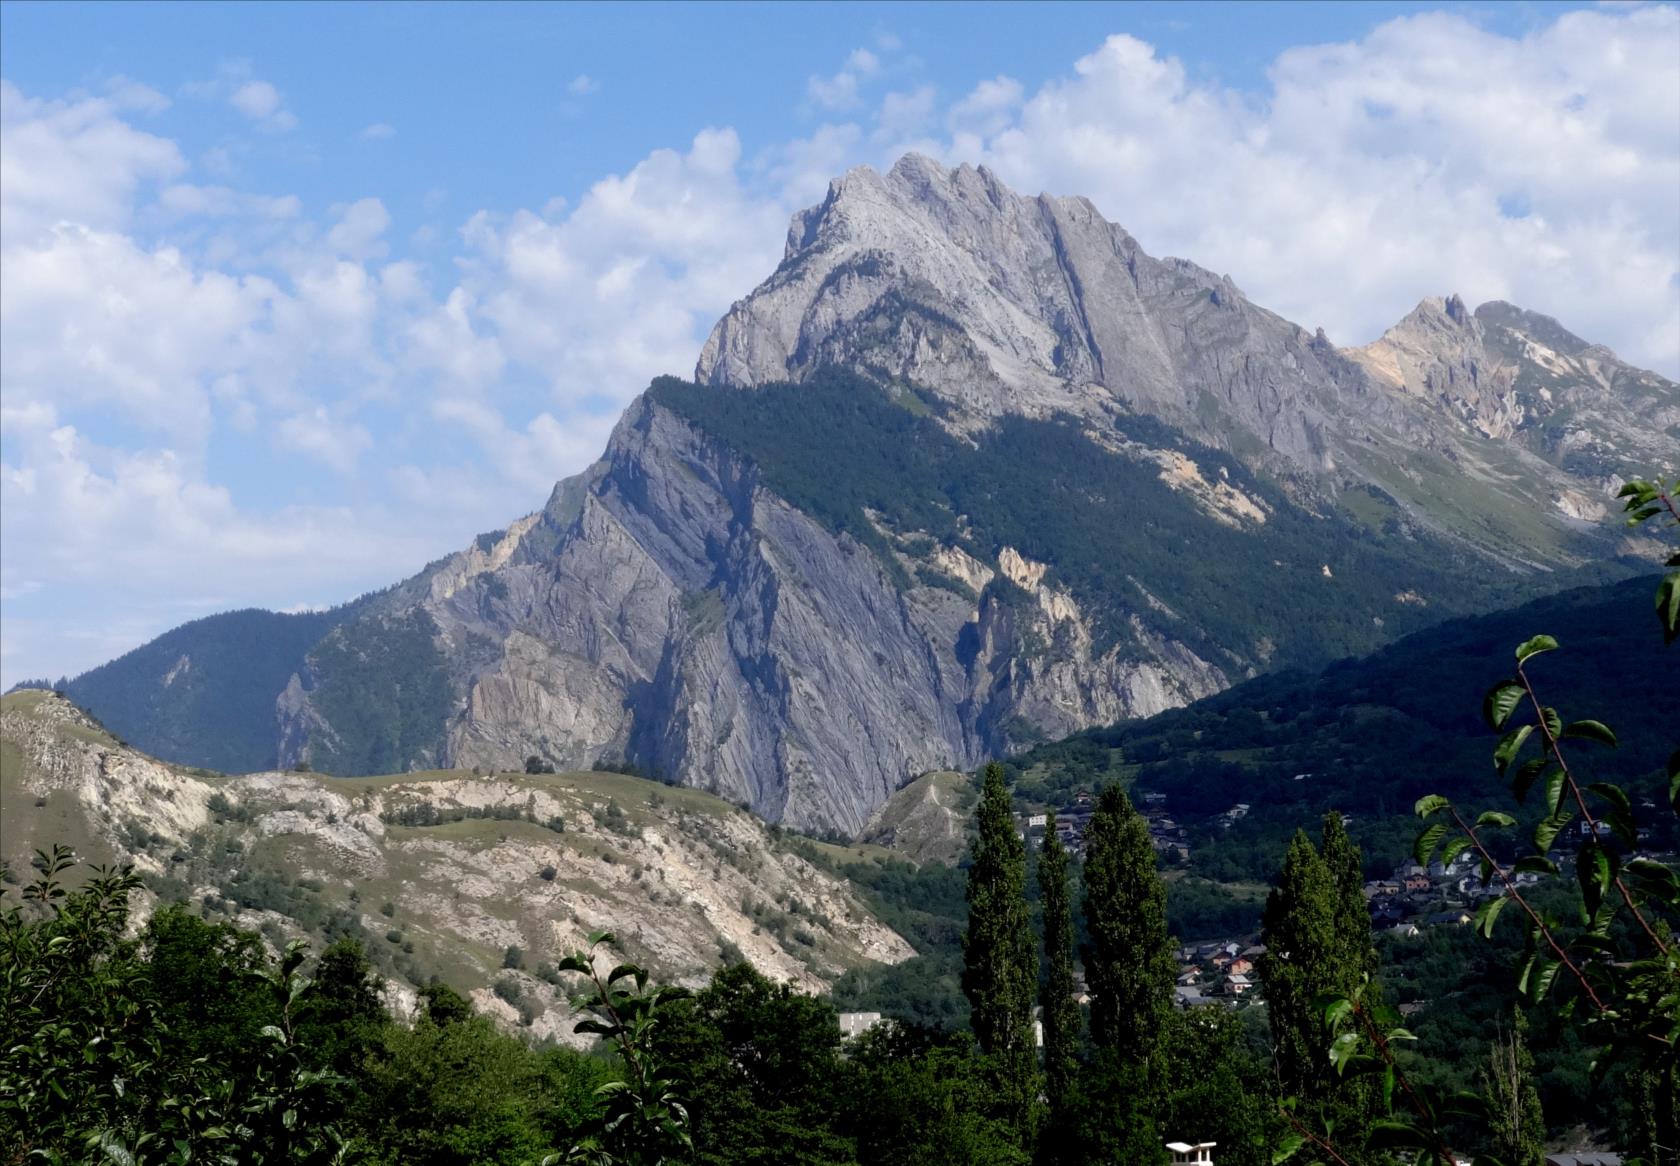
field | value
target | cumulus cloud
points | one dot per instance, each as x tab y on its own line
163	329
841	90
1432	156
582	85
606	295
73	161
379	131
259	101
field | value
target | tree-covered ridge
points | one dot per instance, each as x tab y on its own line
1298	589
1367	735
203	694
386	693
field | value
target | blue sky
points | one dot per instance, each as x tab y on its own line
297	298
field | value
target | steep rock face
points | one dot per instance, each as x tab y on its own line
998	303
699	607
1001	303
693	623
1518	376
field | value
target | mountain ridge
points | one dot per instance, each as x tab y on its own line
761	590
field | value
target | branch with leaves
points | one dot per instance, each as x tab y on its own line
644	1122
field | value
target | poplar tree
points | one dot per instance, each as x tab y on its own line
1129	962
1516	1125
1000	963
1059	1011
1317	933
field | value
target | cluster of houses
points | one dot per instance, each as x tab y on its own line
1218	973
1437	895
1070	823
1166	835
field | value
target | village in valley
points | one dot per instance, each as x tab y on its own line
1223	970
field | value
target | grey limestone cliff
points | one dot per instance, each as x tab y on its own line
673	609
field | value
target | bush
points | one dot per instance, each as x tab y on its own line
513	957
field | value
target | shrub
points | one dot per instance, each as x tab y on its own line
513	957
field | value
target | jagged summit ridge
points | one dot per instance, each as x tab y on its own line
759	591
1000	304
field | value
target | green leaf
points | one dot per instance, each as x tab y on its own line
1590	731
1557	790
1495	818
1534	864
1674	780
1335	1009
1430	804
1547	830
1534	646
1287	1148
1553	722
1453	848
1526	773
1612	794
1342	1050
1426	843
1509	745
1487	913
1499	702
1592	871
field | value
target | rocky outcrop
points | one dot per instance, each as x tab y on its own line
458	867
670	610
1522	378
999	303
694	624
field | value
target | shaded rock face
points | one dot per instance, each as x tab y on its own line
694	624
668	610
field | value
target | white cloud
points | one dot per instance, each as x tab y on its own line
619	289
359	232
163	327
988	108
1380	171
379	131
256	100
582	85
72	161
333	441
841	91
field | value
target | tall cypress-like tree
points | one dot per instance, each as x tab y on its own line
1000	960
1129	962
1353	915
1059	1011
1317	933
1516	1125
1298	928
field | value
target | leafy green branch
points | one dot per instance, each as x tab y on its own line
644	1122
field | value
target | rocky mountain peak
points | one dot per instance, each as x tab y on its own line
997	303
